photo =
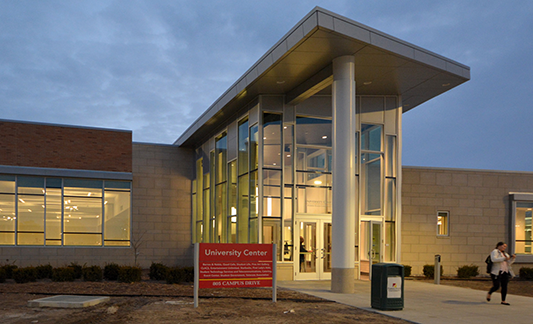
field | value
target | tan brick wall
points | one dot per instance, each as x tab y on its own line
49	146
478	202
161	198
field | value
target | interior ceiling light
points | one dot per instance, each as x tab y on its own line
324	137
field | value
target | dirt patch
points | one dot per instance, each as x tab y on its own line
158	302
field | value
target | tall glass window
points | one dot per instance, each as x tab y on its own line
221	187
30	211
232	203
371	165
272	163
54	211
198	217
523	226
8	214
117	198
243	182
254	184
288	190
313	165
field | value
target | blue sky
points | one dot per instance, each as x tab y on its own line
154	66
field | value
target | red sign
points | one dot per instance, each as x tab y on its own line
235	265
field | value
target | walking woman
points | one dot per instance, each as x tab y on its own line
501	270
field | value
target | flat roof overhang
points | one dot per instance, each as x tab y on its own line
300	65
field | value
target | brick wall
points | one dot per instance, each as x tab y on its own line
64	147
478	202
161	217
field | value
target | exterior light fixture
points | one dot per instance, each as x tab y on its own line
324	137
367	83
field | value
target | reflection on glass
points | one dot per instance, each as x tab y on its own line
371	137
243	147
242	211
327	248
53	216
314	159
313	131
272	140
7	184
254	148
117	218
271	234
307	248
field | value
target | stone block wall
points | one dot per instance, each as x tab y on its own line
478	206
162	176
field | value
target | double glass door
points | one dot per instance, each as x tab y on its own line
312	236
371	251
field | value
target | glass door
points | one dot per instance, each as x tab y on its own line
371	247
313	261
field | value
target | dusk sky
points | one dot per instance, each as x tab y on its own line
154	67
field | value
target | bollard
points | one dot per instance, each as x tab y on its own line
436	272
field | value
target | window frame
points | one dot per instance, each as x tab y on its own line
447	212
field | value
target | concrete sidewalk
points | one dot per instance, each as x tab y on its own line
429	303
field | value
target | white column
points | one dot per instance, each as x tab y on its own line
344	191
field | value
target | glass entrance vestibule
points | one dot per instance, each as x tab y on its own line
266	177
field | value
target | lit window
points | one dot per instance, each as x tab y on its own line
443	221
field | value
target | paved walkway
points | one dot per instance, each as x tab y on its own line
430	303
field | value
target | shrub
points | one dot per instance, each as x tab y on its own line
175	275
78	269
111	271
64	274
407	270
24	275
526	273
44	271
129	274
8	268
93	273
467	271
429	271
158	271
188	274
3	275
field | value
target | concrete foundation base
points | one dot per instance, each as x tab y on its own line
67	301
342	280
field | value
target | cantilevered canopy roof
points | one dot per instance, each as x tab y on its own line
300	65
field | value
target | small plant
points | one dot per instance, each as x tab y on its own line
175	275
63	274
8	268
3	275
526	273
24	275
92	273
44	271
467	271
78	269
429	271
111	271
158	271
129	274
407	270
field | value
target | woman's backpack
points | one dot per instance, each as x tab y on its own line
488	261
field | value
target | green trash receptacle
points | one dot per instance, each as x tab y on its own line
387	286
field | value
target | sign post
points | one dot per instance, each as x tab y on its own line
234	266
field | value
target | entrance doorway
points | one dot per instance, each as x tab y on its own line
371	246
312	237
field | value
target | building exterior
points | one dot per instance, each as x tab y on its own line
304	151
